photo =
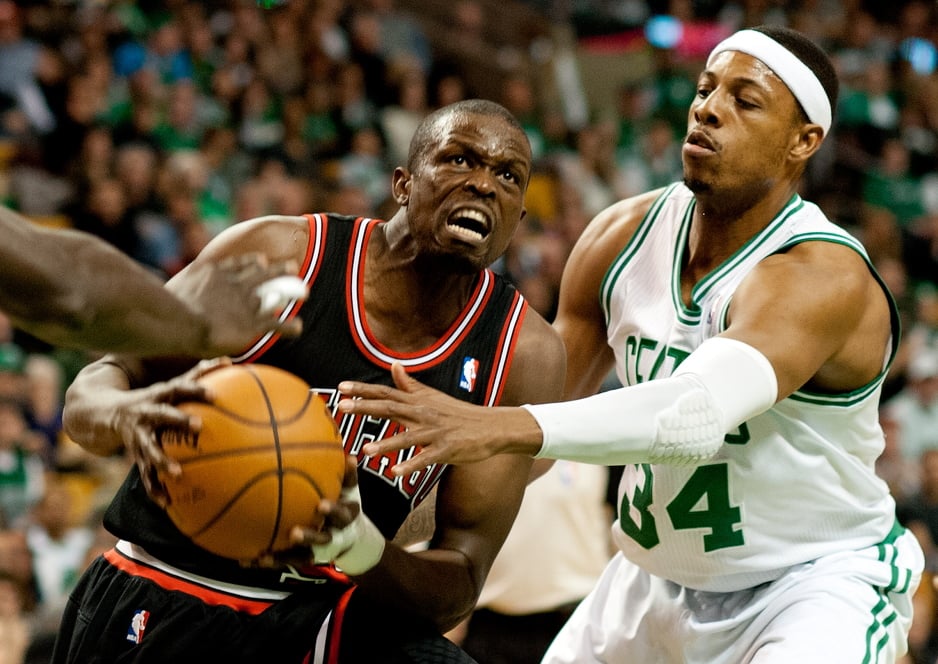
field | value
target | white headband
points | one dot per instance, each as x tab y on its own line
799	78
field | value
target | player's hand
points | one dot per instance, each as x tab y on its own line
235	311
442	428
347	537
142	417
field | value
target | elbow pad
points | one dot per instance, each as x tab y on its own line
677	420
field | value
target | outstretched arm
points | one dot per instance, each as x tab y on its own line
72	289
814	316
116	403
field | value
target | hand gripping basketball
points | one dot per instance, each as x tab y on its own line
357	547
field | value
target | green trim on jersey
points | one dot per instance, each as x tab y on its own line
862	392
691	316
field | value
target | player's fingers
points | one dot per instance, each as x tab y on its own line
253	273
244	265
149	448
178	390
416	463
290	328
149	477
278	292
207	366
354	388
339	514
279	269
165	417
400	441
303	538
374	406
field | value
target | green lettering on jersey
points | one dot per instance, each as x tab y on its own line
647	359
645	346
645	533
739	437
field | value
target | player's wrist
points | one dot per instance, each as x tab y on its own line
527	435
357	547
367	550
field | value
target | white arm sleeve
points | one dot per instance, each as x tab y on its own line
679	420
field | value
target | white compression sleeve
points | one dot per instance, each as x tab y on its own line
681	419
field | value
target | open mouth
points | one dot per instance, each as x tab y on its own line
469	224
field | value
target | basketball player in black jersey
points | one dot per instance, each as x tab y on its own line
72	289
415	289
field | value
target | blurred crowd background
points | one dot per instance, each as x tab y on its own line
157	125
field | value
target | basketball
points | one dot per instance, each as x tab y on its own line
269	450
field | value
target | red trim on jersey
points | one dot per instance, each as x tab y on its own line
335	633
511	331
325	571
365	339
166	581
312	261
360	236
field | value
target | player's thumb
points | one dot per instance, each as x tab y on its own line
403	381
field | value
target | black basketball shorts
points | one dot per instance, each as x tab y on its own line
131	608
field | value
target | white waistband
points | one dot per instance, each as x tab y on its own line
137	553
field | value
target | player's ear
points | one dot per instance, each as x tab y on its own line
400	185
806	142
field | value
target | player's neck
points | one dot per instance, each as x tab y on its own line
723	223
411	300
720	228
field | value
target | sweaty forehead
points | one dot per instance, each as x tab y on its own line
488	133
746	69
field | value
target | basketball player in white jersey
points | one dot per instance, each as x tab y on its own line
752	336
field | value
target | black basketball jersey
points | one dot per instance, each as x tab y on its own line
470	362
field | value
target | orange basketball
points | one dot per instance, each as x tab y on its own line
269	450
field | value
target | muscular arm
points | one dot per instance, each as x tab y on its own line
817	314
476	504
104	415
72	289
580	319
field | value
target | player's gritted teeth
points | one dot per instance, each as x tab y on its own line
469	224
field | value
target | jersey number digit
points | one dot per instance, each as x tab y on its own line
646	534
708	484
704	502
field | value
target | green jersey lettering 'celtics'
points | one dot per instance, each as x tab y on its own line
779	492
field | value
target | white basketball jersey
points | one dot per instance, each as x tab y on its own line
788	486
